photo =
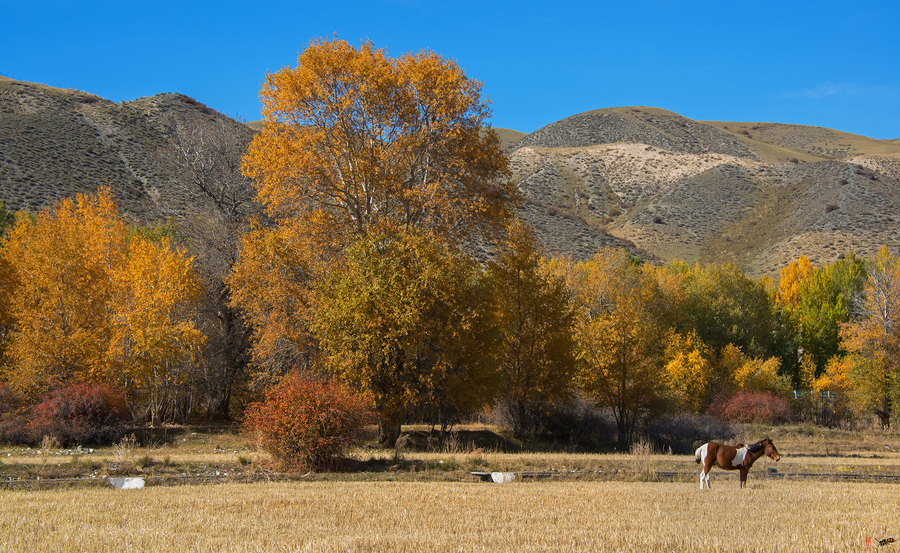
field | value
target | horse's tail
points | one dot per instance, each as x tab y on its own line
697	454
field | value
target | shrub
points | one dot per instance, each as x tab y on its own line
747	407
308	421
579	423
684	432
9	400
13	421
81	413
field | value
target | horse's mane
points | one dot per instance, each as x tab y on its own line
756	447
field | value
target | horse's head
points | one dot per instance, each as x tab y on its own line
770	449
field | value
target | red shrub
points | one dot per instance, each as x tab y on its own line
81	413
307	422
746	407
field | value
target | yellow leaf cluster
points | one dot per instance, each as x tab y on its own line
89	303
688	370
374	140
791	283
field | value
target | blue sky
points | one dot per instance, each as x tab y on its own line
828	63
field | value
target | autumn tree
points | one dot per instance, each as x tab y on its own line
874	335
813	302
623	319
62	288
354	138
724	306
155	342
689	371
92	301
536	350
407	320
355	142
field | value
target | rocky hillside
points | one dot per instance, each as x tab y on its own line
56	143
756	194
652	181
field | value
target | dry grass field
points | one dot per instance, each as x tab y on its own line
426	499
443	516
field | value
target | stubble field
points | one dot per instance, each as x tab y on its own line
444	516
426	501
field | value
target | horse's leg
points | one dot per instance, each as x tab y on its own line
707	468
744	471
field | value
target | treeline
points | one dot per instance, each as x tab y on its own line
339	242
434	336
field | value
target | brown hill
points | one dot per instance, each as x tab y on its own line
757	194
56	143
652	181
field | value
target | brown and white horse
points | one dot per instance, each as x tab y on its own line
731	457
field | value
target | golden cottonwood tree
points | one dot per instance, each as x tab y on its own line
355	141
154	339
623	319
406	320
874	334
60	300
689	371
367	139
270	284
88	303
536	350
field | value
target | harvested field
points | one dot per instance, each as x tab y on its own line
441	516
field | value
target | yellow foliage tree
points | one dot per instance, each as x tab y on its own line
536	351
688	371
622	327
355	141
270	284
371	140
62	289
790	285
874	336
761	375
407	320
91	302
154	341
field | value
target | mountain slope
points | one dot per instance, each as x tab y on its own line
56	143
758	195
651	181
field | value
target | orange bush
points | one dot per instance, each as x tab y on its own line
308	421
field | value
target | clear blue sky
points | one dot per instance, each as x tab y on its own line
829	63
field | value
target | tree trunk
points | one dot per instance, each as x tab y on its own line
388	431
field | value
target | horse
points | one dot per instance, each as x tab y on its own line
731	457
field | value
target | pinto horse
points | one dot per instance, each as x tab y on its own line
731	457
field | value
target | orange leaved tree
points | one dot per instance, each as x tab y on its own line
367	139
91	301
356	142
